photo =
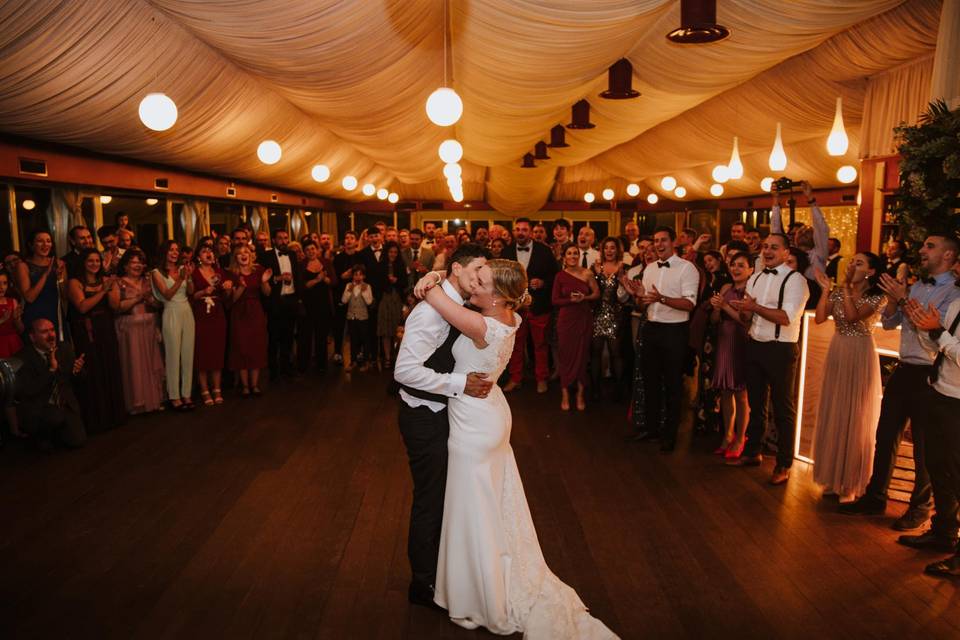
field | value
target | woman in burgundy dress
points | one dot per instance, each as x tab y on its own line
248	322
95	340
729	377
209	295
574	289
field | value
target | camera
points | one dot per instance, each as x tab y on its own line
785	184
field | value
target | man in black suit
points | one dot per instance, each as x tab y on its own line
80	239
833	258
48	409
537	259
282	304
374	260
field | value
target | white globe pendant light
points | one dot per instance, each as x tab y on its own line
588	197
158	112
837	141
633	190
444	107
846	174
450	151
382	194
653	198
269	152
393	198
349	183
607	194
368	189
716	190
778	157
720	173
735	167
320	172
680	192
766	184
668	183
452	170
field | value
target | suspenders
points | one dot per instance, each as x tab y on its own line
783	288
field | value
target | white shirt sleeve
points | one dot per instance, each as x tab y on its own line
795	296
421	337
690	283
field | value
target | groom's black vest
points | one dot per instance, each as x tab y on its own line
442	362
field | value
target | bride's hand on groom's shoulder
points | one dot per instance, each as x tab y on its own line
426	283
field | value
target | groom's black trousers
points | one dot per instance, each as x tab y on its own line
425	436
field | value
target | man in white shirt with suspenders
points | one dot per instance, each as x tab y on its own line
773	307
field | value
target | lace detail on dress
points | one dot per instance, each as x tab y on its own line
500	337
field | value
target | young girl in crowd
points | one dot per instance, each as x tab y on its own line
138	334
358	296
11	327
851	390
248	322
728	372
172	285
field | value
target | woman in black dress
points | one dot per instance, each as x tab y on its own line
318	307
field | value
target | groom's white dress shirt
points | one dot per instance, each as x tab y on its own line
424	332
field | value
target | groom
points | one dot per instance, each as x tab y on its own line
424	369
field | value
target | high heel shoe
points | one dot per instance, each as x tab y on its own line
217	397
723	448
735	450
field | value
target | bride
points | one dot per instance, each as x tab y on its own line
491	571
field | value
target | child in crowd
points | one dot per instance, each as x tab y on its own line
11	327
358	296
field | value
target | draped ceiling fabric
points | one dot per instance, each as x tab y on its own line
344	82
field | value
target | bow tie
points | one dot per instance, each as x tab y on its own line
773	271
663	265
930	281
526	248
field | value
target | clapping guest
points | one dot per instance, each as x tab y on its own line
282	304
11	328
315	286
588	255
248	322
539	233
210	294
729	375
138	334
574	289
48	407
850	390
798	260
223	250
111	251
631	292
343	264
668	293
537	259
773	305
703	338
497	246
606	323
481	236
36	279
895	266
95	338
173	285
358	298
561	238
390	310
418	259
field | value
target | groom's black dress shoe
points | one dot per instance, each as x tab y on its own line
930	540
422	595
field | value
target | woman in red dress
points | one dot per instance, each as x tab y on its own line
248	322
11	326
574	289
210	292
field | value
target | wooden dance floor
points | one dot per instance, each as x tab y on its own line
285	517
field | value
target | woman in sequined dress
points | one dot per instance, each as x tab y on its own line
637	412
851	389
606	320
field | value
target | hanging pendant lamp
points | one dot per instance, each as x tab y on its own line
698	23
735	167
444	106
778	157
528	162
581	116
620	81
558	137
540	151
837	141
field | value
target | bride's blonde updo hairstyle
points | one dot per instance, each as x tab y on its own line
510	282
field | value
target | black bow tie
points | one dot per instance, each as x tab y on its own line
526	248
930	281
663	265
773	271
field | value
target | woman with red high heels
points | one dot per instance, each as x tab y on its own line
728	374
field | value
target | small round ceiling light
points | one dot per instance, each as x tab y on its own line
320	172
633	190
444	107
608	194
349	183
668	183
716	190
653	198
106	199
721	173
680	192
452	170
847	174
28	205
393	198
368	189
382	194
766	184
588	197
151	201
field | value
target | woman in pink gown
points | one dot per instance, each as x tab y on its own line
574	289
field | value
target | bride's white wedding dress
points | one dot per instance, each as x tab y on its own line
491	570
